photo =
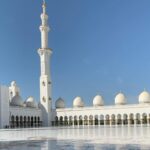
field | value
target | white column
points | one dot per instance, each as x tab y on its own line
93	120
147	121
141	119
73	122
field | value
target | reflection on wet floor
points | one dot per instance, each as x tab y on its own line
67	145
69	138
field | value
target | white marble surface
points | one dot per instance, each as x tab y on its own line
111	135
77	138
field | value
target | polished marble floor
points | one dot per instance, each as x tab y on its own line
77	138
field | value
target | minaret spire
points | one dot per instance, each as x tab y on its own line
45	78
44	7
44	28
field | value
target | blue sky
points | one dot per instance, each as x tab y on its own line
99	47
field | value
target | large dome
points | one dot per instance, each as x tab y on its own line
98	101
144	97
16	101
120	99
78	102
30	102
60	103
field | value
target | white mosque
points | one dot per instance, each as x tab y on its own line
16	113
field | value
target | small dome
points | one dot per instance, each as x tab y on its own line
78	102
30	102
120	99
16	101
98	101
60	103
13	83
144	97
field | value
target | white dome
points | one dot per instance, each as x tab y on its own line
120	99
60	103
16	101
78	102
13	83
30	102
144	97
98	101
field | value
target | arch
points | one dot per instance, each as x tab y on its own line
70	120
125	119
39	118
90	120
119	120
113	119
39	122
138	118
12	118
32	120
28	118
24	118
65	120
148	118
101	119
21	122
96	120
131	118
107	119
35	121
61	120
85	120
144	118
28	121
56	121
75	120
80	120
12	121
25	121
17	121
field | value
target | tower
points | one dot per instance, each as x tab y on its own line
45	78
13	90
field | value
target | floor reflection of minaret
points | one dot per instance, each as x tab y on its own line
120	147
49	145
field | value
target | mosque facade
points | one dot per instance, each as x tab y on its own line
16	113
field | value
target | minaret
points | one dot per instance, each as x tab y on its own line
45	78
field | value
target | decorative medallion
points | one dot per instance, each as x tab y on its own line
43	83
44	100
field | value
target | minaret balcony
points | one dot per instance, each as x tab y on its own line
44	28
41	51
44	16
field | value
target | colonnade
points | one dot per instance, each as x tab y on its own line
108	119
25	121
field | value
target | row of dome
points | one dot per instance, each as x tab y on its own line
120	99
17	101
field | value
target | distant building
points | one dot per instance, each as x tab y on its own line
14	112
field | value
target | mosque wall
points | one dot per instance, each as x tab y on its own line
25	111
25	117
109	115
122	109
4	106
